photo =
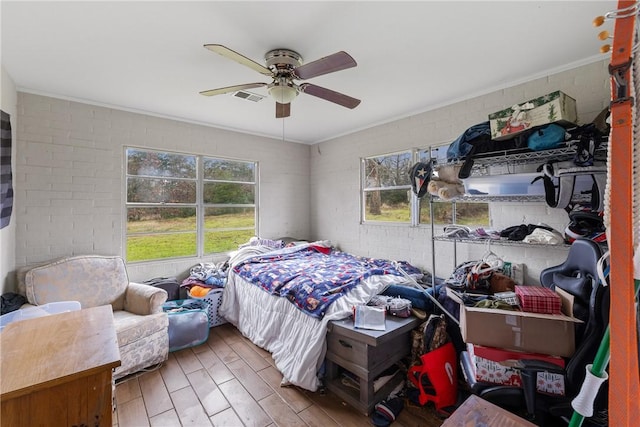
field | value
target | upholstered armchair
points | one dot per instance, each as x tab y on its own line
140	323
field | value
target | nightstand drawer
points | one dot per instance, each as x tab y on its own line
348	349
370	358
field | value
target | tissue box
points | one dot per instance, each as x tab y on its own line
555	107
538	299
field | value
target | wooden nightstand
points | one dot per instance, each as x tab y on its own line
366	354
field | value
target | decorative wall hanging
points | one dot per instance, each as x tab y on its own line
6	188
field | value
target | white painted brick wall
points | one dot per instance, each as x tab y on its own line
335	203
70	159
70	169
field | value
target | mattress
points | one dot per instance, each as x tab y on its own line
295	339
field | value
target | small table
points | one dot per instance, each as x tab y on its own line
57	370
366	353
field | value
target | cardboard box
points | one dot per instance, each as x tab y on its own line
538	299
492	365
555	107
476	411
552	334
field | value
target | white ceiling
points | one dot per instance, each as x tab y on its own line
412	56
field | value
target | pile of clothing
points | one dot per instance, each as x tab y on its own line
464	232
207	274
533	233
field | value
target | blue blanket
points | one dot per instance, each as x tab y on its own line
312	278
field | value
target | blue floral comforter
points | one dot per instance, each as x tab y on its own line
313	277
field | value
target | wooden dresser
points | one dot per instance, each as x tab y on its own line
57	370
366	354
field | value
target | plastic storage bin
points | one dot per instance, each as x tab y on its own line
214	298
188	322
38	311
517	185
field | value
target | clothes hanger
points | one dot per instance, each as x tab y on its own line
491	259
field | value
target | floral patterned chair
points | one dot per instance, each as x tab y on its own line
140	323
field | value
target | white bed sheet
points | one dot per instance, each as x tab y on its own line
295	339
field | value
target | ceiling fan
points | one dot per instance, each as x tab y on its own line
284	66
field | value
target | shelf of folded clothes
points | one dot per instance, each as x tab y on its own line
500	241
517	235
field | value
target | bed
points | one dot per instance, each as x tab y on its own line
293	328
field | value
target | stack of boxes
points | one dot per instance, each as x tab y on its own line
496	339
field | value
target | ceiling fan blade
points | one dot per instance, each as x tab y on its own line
241	59
228	89
283	110
329	64
329	95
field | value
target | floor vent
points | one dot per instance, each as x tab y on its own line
248	96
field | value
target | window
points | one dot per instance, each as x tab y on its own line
387	195
183	205
386	192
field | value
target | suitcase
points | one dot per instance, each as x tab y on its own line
169	284
188	323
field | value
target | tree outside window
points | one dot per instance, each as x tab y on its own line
386	188
167	193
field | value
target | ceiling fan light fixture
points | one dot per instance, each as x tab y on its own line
283	94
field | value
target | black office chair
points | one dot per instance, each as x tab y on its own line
577	276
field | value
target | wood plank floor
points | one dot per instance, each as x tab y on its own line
228	381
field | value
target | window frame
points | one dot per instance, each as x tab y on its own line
364	189
417	154
199	204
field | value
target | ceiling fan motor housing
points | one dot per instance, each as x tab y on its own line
279	60
282	62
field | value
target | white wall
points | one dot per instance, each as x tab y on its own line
335	169
8	103
70	170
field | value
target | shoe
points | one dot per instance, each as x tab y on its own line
387	411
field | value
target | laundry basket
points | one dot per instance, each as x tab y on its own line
214	298
188	322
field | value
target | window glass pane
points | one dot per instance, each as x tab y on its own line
229	193
158	220
157	246
227	170
163	220
472	213
222	241
439	154
387	205
152	163
424	156
467	213
158	190
442	212
229	217
388	171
